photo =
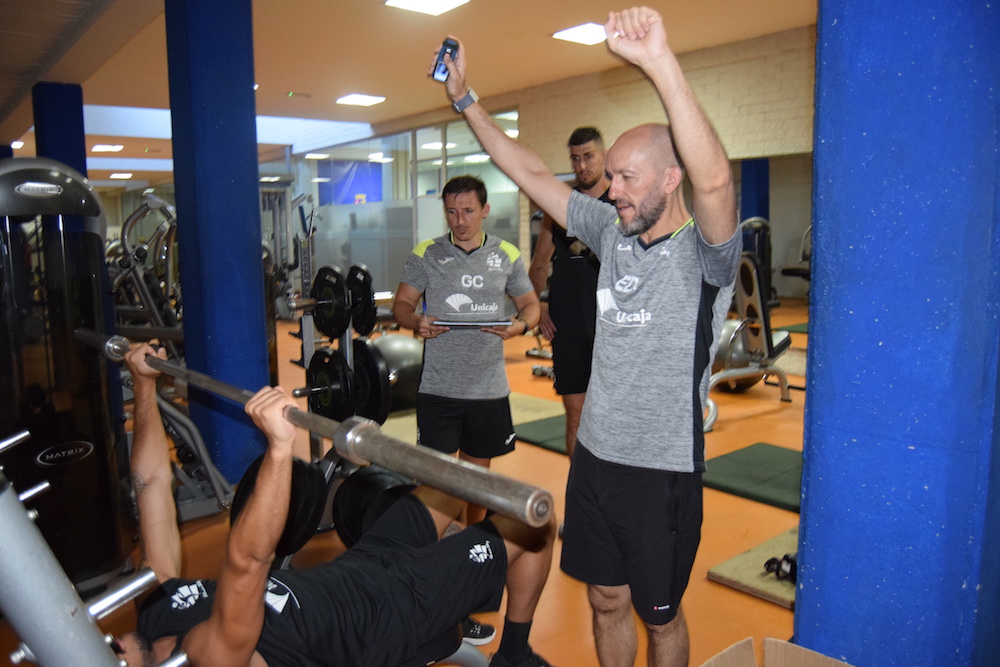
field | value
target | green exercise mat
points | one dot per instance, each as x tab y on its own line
762	472
548	433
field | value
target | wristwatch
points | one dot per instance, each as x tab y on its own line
467	101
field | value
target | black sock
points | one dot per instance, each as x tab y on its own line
514	643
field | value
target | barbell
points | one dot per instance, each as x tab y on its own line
361	442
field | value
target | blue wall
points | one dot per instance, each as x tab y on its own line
900	512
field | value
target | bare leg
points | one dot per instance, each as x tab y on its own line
529	559
444	508
573	404
669	645
475	513
614	629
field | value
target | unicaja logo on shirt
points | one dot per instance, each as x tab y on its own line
459	302
611	313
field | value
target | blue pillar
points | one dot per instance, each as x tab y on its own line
901	479
58	116
6	151
210	59
755	189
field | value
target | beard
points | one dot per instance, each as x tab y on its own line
586	185
646	215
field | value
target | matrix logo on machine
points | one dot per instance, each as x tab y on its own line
38	190
64	453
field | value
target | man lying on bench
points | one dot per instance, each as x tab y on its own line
377	604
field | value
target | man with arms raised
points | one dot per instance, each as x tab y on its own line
633	508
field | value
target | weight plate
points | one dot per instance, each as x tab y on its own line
331	385
372	389
332	313
305	505
363	309
362	498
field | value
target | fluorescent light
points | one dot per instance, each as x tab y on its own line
379	157
359	100
513	134
588	33
480	157
270	179
436	146
316	156
107	148
122	176
149	191
507	115
432	7
321	179
438	163
17	145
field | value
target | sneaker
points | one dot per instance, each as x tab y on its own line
476	633
533	660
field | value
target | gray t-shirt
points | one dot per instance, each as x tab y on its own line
659	313
466	287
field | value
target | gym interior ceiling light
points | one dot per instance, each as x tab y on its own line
588	34
359	100
17	144
121	176
316	156
107	148
432	7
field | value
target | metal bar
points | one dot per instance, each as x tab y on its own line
362	442
123	591
15	439
38	598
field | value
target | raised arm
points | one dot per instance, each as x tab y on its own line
638	36
521	164
230	635
151	470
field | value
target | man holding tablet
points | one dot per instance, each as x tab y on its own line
452	294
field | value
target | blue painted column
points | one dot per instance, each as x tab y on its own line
900	526
210	59
6	151
755	189
58	116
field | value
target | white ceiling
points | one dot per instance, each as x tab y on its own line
322	49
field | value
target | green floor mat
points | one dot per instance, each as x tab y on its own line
762	472
548	433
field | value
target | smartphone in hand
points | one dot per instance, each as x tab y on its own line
450	47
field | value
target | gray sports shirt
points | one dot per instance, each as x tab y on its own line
659	313
467	287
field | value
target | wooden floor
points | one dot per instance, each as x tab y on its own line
718	616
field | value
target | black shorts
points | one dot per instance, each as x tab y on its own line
571	357
634	526
480	428
462	574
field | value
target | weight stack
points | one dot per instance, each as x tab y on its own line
66	395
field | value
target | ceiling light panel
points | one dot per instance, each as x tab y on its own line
588	34
432	7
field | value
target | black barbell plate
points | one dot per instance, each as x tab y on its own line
363	308
372	388
305	505
331	384
332	315
363	497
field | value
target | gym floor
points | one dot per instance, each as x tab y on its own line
717	615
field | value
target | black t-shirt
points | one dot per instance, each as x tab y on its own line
573	283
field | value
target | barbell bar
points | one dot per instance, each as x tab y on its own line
362	442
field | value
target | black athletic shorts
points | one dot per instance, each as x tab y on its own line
462	574
482	428
634	526
571	357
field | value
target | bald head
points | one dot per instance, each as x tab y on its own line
653	142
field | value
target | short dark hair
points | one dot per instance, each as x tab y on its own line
582	135
461	184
